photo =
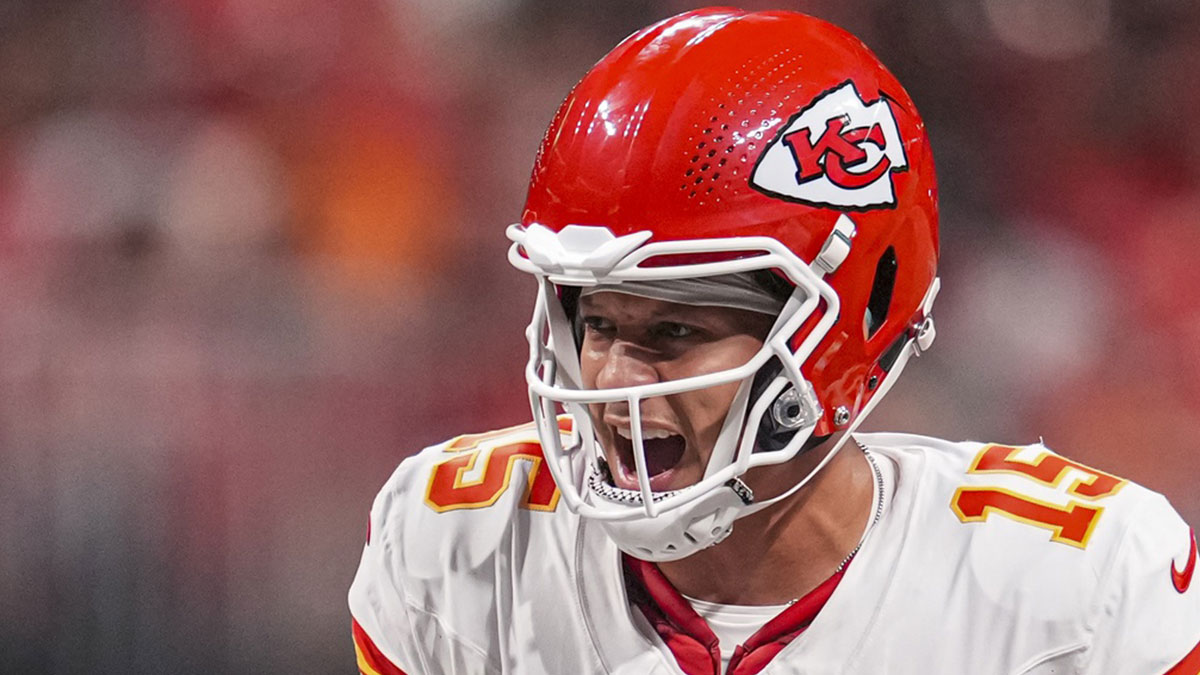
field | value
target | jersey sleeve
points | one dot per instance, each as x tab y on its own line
463	538
381	621
1147	617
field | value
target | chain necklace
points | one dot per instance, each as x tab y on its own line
877	498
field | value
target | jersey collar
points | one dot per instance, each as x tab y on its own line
688	635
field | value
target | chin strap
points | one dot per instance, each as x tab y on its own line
699	524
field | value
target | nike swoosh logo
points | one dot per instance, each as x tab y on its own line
1182	580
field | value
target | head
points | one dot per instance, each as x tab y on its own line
733	222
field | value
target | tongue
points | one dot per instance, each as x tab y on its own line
663	453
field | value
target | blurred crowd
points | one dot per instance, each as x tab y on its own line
252	255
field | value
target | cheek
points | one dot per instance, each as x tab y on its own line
706	409
740	350
713	405
590	364
732	352
596	412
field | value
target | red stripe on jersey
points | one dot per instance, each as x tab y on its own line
684	631
692	641
1190	665
370	660
760	648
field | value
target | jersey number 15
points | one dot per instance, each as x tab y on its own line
1071	524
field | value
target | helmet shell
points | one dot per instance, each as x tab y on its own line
664	134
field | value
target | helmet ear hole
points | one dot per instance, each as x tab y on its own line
787	414
881	293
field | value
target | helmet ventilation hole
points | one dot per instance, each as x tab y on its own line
881	293
742	116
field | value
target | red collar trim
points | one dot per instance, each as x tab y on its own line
684	631
692	641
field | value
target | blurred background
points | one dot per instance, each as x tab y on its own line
252	256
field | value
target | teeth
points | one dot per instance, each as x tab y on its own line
648	434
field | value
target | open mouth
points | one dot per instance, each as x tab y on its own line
664	451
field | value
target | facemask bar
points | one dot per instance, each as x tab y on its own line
919	341
553	369
728	449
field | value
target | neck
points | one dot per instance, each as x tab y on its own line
784	551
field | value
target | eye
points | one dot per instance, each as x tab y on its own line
597	325
675	331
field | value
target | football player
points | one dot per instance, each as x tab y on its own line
732	221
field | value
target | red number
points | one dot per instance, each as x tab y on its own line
1071	524
450	488
1047	469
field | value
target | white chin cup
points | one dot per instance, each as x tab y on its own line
692	527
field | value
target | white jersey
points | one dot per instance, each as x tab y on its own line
987	559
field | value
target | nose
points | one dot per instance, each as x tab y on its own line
625	365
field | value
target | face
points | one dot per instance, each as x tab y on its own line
628	341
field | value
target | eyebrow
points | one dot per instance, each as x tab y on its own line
665	313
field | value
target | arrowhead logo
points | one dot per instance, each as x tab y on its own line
839	151
1182	580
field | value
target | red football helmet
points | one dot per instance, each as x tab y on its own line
714	142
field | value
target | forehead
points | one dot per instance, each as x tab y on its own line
628	307
636	305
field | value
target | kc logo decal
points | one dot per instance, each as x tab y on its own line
839	151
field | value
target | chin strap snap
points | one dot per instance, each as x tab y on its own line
926	332
742	490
